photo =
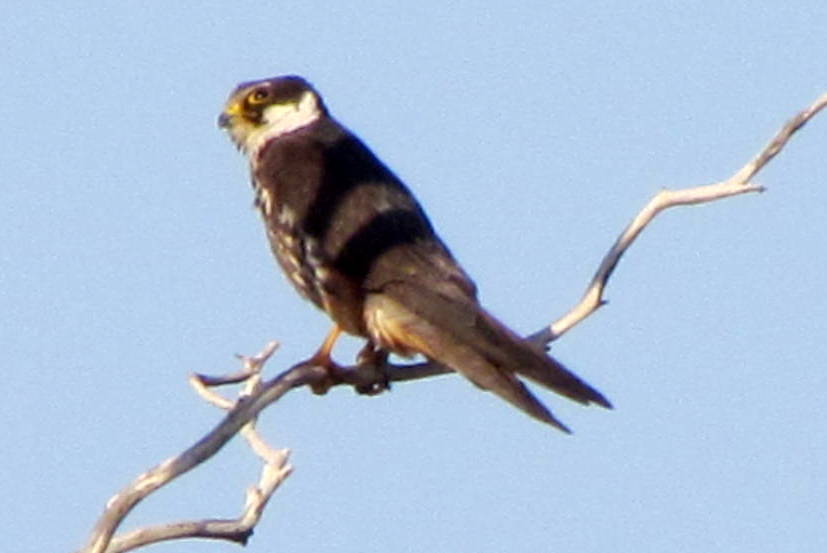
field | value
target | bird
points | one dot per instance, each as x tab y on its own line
353	240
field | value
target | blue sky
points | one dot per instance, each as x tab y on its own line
532	135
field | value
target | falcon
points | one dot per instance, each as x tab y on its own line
353	240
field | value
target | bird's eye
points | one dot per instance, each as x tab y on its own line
258	95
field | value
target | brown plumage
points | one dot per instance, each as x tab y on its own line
354	241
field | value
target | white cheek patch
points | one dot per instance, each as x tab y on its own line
280	119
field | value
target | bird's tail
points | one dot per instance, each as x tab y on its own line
504	347
461	335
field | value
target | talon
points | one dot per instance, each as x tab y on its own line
372	362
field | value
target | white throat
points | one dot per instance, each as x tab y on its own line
280	119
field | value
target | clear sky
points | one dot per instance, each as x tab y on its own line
531	133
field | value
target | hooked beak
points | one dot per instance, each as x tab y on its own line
226	118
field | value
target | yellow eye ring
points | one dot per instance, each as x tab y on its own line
258	96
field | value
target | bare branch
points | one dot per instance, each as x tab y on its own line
236	530
735	185
242	415
274	472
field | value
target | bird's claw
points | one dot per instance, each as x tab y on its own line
371	363
376	381
330	377
321	386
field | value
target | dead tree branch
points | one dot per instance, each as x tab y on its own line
241	417
739	183
257	394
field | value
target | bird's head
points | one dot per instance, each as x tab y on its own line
259	111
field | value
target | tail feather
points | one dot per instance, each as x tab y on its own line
468	362
505	348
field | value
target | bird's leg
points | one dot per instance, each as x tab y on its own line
322	358
372	361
